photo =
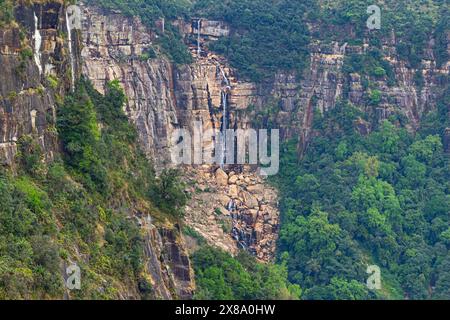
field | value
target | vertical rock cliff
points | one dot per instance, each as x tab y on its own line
31	51
39	65
231	207
164	97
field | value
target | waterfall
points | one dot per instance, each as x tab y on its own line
69	40
231	207
199	27
227	82
224	128
37	43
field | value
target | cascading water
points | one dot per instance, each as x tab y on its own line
224	94
231	206
227	82
69	40
37	43
224	128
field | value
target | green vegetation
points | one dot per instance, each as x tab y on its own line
6	12
370	64
359	200
411	21
352	201
441	34
220	276
268	35
80	208
150	11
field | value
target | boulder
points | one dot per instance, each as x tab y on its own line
223	199
249	200
224	211
221	177
233	191
233	179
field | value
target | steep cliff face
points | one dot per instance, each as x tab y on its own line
163	97
39	67
167	263
113	46
31	51
295	96
231	208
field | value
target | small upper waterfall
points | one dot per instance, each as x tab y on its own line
225	78
72	61
37	43
199	27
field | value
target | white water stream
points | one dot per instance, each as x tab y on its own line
199	27
37	43
72	61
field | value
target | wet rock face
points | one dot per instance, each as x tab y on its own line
27	106
207	29
161	97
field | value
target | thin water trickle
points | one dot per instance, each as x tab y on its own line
224	95
72	62
37	43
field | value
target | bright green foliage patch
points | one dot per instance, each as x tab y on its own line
220	276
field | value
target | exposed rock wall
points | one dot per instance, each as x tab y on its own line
242	212
167	263
27	104
36	72
163	97
112	49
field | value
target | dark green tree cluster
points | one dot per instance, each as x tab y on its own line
219	276
267	36
412	22
6	12
358	200
81	207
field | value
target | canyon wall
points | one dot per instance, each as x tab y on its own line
164	97
29	53
231	207
39	68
